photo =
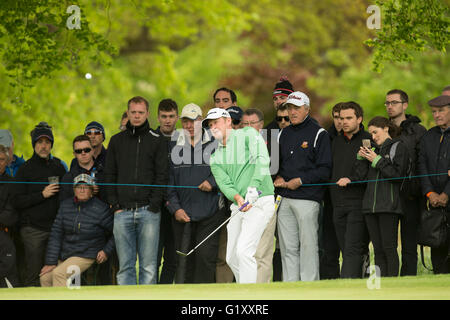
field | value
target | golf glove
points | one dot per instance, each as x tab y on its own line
252	195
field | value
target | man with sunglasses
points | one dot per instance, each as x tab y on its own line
83	162
412	131
96	133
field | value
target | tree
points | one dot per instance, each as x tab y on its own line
410	26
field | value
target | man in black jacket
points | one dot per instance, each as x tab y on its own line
167	118
196	211
434	162
37	201
411	133
136	156
83	163
348	219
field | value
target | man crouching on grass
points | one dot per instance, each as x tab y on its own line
240	166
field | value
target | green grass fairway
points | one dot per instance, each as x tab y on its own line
420	287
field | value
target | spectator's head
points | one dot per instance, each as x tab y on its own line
253	118
83	187
440	107
123	121
83	151
282	116
4	158
191	120
137	111
396	103
298	107
224	98
382	128
6	139
42	139
282	90
236	116
96	133
219	121
336	116
446	91
167	116
351	115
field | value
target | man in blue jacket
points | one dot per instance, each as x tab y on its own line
305	158
195	210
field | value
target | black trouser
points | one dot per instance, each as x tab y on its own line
330	251
383	231
8	267
200	266
166	249
440	257
352	235
35	246
409	224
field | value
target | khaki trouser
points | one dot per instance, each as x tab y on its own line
264	252
58	276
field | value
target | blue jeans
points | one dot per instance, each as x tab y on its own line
136	232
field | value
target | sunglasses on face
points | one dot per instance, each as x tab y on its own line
95	132
279	119
79	151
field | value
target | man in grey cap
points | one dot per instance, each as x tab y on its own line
6	139
434	161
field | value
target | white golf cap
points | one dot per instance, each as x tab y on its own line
216	113
191	111
298	99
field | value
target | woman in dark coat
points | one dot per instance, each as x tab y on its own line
382	166
80	235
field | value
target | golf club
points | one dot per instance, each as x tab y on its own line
231	216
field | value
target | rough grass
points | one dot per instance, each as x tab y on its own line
436	287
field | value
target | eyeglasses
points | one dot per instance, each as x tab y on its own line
392	103
93	132
279	119
79	151
251	123
236	121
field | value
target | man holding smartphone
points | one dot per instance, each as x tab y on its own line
348	219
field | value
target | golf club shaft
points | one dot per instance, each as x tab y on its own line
223	223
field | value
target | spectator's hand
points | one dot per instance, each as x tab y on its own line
280	182
46	269
442	200
294	184
343	182
205	186
367	153
101	257
50	190
118	211
182	216
434	199
240	201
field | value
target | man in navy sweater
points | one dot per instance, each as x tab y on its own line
305	158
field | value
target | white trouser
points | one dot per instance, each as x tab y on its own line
298	226
244	232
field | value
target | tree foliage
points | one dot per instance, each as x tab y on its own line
410	26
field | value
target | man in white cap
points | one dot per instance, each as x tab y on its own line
305	158
195	210
240	166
